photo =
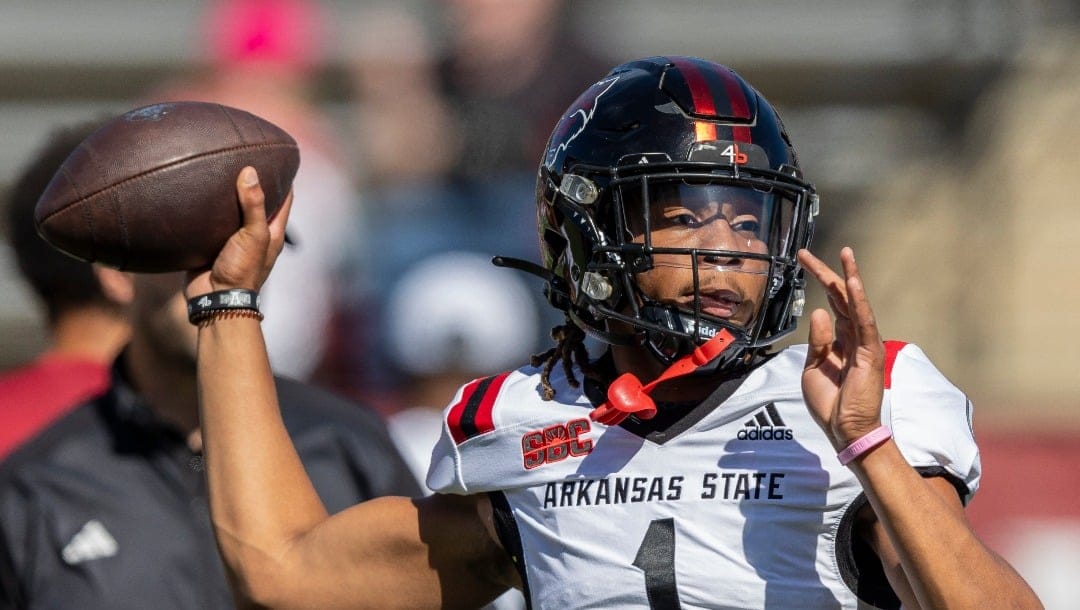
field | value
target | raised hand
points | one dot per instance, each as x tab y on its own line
246	259
843	378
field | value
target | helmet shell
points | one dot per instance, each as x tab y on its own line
671	114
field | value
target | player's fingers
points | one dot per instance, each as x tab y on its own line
820	339
251	198
833	284
865	324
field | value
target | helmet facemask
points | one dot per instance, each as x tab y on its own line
682	250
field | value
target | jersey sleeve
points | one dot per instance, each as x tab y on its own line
488	424
444	470
930	418
467	421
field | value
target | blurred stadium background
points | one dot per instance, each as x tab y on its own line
943	136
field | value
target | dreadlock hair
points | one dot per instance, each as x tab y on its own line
570	348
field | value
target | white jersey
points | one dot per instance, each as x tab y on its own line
741	504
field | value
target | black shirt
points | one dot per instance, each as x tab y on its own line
107	507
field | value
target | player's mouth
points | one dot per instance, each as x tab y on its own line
720	303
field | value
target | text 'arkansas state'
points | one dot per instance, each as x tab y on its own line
734	486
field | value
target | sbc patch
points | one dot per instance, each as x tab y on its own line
556	443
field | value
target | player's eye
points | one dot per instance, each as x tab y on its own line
747	226
685	220
681	217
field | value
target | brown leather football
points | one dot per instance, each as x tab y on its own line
154	189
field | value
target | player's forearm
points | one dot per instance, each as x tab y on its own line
260	494
946	565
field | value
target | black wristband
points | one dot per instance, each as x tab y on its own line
206	305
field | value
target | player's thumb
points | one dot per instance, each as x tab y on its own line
252	200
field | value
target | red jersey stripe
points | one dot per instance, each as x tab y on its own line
892	348
472	415
453	419
483	419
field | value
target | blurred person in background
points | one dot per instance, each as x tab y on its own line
406	140
429	97
85	315
405	131
451	318
481	319
264	57
106	508
511	68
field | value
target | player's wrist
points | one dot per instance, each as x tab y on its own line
864	444
224	304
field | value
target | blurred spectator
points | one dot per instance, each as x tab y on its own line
449	319
404	124
107	508
86	321
510	70
452	318
263	58
451	135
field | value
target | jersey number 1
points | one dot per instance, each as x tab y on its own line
656	557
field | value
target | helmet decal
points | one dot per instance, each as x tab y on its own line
584	107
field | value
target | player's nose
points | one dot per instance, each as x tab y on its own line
718	235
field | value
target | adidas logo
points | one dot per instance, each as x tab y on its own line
93	541
765	425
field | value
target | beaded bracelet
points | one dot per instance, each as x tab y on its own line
211	316
864	444
222	301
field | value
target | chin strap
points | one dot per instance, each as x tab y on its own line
626	395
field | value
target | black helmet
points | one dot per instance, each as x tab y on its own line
668	127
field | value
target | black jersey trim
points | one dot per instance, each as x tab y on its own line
506	529
860	567
937	471
468	415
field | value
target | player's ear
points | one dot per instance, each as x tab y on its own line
118	286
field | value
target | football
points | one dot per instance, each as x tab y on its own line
154	189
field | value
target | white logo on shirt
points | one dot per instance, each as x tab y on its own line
93	541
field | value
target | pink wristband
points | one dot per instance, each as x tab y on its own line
864	444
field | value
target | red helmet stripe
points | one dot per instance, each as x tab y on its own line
704	131
704	100
704	103
739	105
472	415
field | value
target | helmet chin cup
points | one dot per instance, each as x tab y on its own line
681	335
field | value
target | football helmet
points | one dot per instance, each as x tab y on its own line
674	162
